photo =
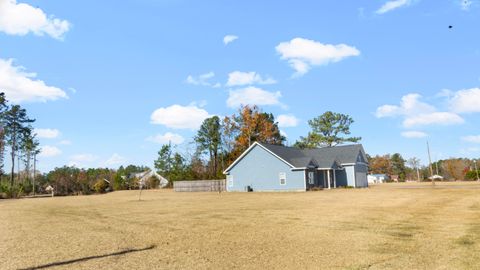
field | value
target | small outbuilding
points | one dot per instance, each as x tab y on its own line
377	178
265	167
144	176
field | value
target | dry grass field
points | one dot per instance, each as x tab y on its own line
390	226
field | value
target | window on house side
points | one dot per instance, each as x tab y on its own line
283	178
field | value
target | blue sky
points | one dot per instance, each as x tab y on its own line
109	81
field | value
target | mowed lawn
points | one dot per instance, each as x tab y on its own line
389	226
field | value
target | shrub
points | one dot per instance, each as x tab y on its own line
15	192
153	182
471	175
100	186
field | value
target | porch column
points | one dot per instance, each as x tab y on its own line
328	177
334	179
324	179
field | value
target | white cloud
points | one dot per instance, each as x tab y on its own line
285	120
470	150
115	159
49	151
21	19
80	160
414	134
65	142
391	5
237	78
200	103
409	105
466	4
20	86
303	53
166	138
84	157
200	79
465	101
436	118
252	96
418	113
47	133
472	138
229	38
179	117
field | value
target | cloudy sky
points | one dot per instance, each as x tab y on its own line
110	81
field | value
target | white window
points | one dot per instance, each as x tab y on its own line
283	178
230	180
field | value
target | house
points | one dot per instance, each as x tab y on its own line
144	176
377	178
265	167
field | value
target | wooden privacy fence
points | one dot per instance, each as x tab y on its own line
199	186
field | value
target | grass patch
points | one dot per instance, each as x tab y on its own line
385	227
465	241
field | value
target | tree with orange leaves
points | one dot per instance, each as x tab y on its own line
249	126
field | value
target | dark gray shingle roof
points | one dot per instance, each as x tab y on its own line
327	157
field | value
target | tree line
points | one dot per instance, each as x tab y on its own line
217	143
410	169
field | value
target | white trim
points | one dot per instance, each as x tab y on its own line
334	179
353	164
326	169
329	180
324	179
305	180
248	150
355	178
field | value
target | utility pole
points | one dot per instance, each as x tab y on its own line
34	169
430	164
18	168
476	169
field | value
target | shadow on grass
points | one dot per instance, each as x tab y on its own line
126	251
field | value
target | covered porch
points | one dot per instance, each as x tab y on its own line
325	178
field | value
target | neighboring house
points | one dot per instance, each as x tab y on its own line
264	167
377	178
144	176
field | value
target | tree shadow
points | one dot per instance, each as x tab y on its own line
126	251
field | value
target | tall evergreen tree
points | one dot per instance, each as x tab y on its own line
327	130
3	109
17	126
29	148
209	139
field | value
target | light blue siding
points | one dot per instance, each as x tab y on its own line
350	174
260	170
361	175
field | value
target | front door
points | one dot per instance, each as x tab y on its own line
310	178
